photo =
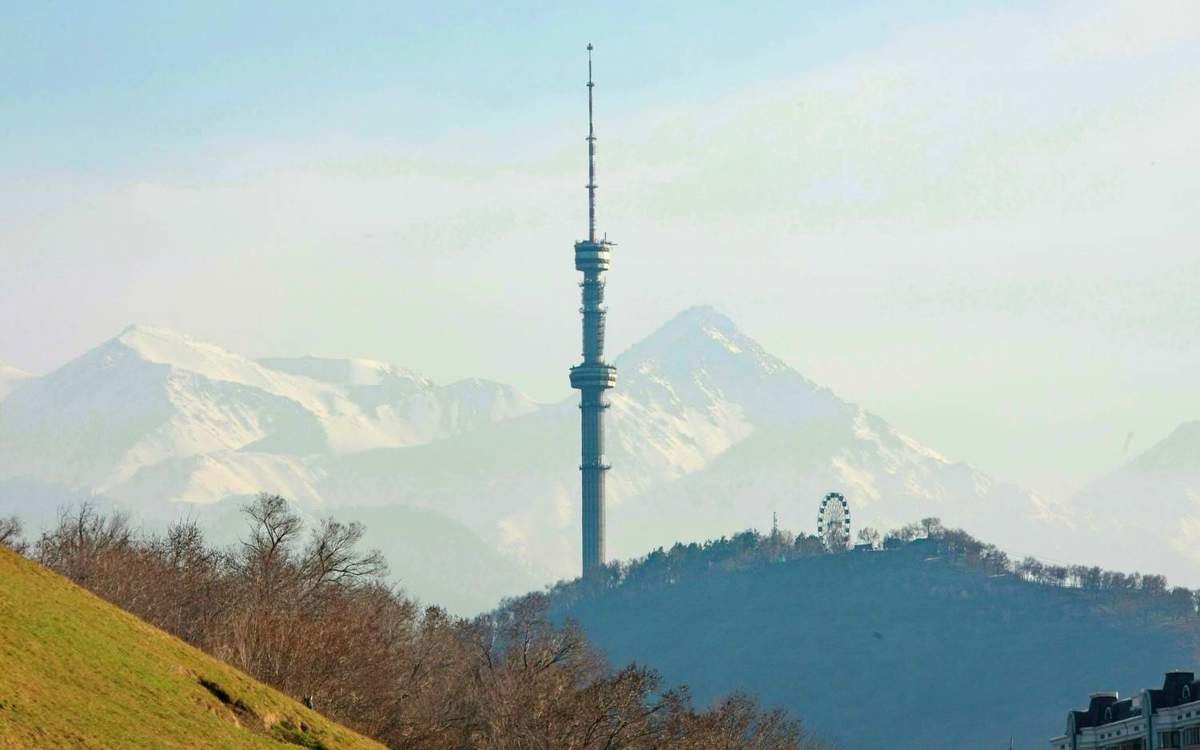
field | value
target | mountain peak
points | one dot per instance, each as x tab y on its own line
1177	452
166	346
700	363
694	322
148	338
704	318
700	336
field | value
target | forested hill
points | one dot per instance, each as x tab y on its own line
937	642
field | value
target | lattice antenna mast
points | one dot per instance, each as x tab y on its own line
591	139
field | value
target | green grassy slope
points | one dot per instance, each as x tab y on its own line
76	672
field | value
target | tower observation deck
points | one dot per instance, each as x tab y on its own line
593	376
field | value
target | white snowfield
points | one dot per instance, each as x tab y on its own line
156	416
708	434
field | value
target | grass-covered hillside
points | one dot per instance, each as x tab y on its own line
77	672
304	610
934	644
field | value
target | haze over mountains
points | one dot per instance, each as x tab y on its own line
1147	513
709	434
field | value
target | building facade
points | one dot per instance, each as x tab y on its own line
1166	717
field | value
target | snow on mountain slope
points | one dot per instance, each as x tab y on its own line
156	414
212	477
346	426
101	418
351	372
708	434
1146	515
791	442
9	378
411	407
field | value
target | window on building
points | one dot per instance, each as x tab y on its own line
1137	744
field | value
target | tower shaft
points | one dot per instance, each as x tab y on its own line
593	376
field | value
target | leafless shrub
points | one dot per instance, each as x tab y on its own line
313	617
10	535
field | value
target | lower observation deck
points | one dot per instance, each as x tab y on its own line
600	376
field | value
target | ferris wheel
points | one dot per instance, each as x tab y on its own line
833	522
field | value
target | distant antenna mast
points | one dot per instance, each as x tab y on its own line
591	139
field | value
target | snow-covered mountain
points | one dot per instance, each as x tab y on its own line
1147	513
155	416
9	378
708	434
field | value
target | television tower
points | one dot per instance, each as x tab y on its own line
593	376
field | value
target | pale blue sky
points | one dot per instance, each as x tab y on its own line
976	219
116	87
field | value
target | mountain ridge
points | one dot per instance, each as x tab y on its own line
700	411
707	432
157	395
1164	480
1179	451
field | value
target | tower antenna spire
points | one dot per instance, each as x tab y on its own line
591	139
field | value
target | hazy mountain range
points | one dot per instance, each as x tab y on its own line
1147	513
708	434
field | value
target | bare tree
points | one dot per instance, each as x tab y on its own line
82	540
10	535
932	527
332	557
868	536
274	529
312	617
